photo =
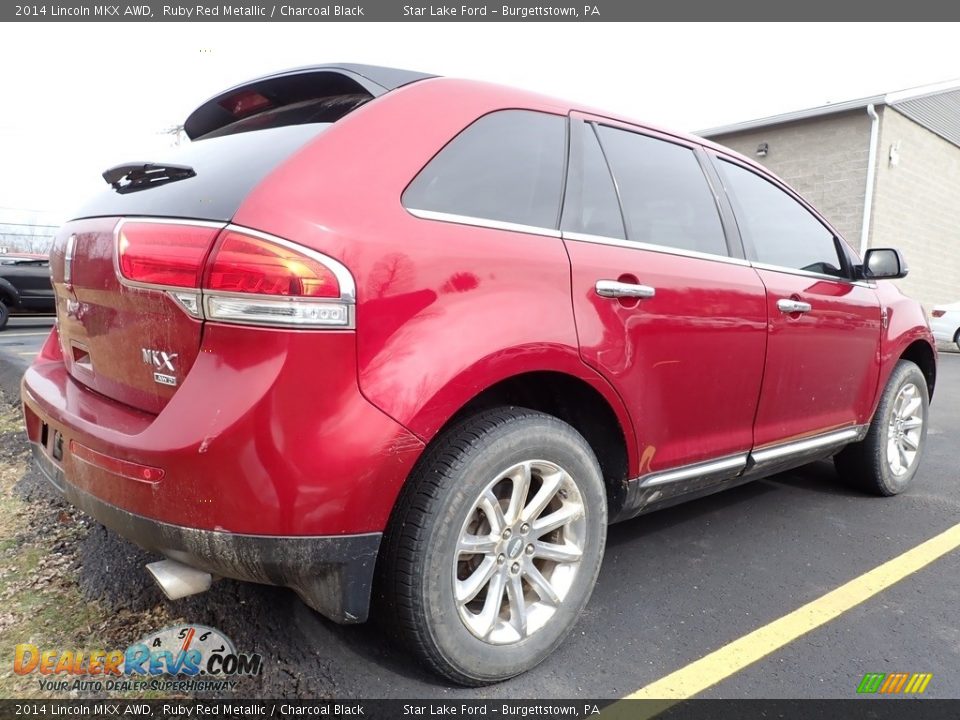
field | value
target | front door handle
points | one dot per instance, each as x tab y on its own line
788	306
617	289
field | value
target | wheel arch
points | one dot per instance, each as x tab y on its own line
9	294
591	408
922	354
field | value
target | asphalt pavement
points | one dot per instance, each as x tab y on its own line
675	586
23	337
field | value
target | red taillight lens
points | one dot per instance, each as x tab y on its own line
244	264
164	253
938	313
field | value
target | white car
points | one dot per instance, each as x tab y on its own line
945	323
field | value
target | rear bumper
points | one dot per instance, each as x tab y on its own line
268	434
332	574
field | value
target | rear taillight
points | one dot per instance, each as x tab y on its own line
232	274
269	281
170	254
938	313
244	264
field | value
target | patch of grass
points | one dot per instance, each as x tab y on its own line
40	600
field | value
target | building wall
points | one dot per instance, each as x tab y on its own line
823	158
916	207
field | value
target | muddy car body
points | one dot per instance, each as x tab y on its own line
374	328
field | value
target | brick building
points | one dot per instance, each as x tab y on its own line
885	170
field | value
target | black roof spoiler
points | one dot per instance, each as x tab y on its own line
315	81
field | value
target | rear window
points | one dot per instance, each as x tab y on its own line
506	166
227	169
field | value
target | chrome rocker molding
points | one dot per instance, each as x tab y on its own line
657	490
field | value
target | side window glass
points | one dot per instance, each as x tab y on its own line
506	166
593	207
780	230
665	196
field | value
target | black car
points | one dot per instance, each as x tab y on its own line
24	286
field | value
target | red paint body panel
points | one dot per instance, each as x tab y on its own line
822	366
293	432
906	325
689	360
446	310
104	323
246	444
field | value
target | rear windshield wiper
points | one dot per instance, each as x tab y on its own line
131	177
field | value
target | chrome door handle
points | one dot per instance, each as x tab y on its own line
616	289
793	306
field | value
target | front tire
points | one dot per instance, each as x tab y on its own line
495	545
4	315
886	460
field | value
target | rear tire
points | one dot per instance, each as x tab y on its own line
4	314
956	339
886	460
495	545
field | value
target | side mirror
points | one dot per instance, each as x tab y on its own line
883	264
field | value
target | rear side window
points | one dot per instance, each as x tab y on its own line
780	230
665	196
506	166
591	204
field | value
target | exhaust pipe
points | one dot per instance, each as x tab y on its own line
178	580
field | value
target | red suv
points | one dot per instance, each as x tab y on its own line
380	335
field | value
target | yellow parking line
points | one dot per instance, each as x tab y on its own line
735	656
12	332
27	352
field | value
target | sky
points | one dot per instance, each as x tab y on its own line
76	98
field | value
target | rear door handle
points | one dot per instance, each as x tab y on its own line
787	305
617	289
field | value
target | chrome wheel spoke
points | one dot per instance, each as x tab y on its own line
549	486
541	585
491	508
487	619
910	441
556	519
468	589
557	553
893	456
518	605
912	423
910	408
518	493
904	460
477	545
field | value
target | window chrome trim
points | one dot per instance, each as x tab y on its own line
665	249
801	273
734	463
68	258
482	222
796	447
